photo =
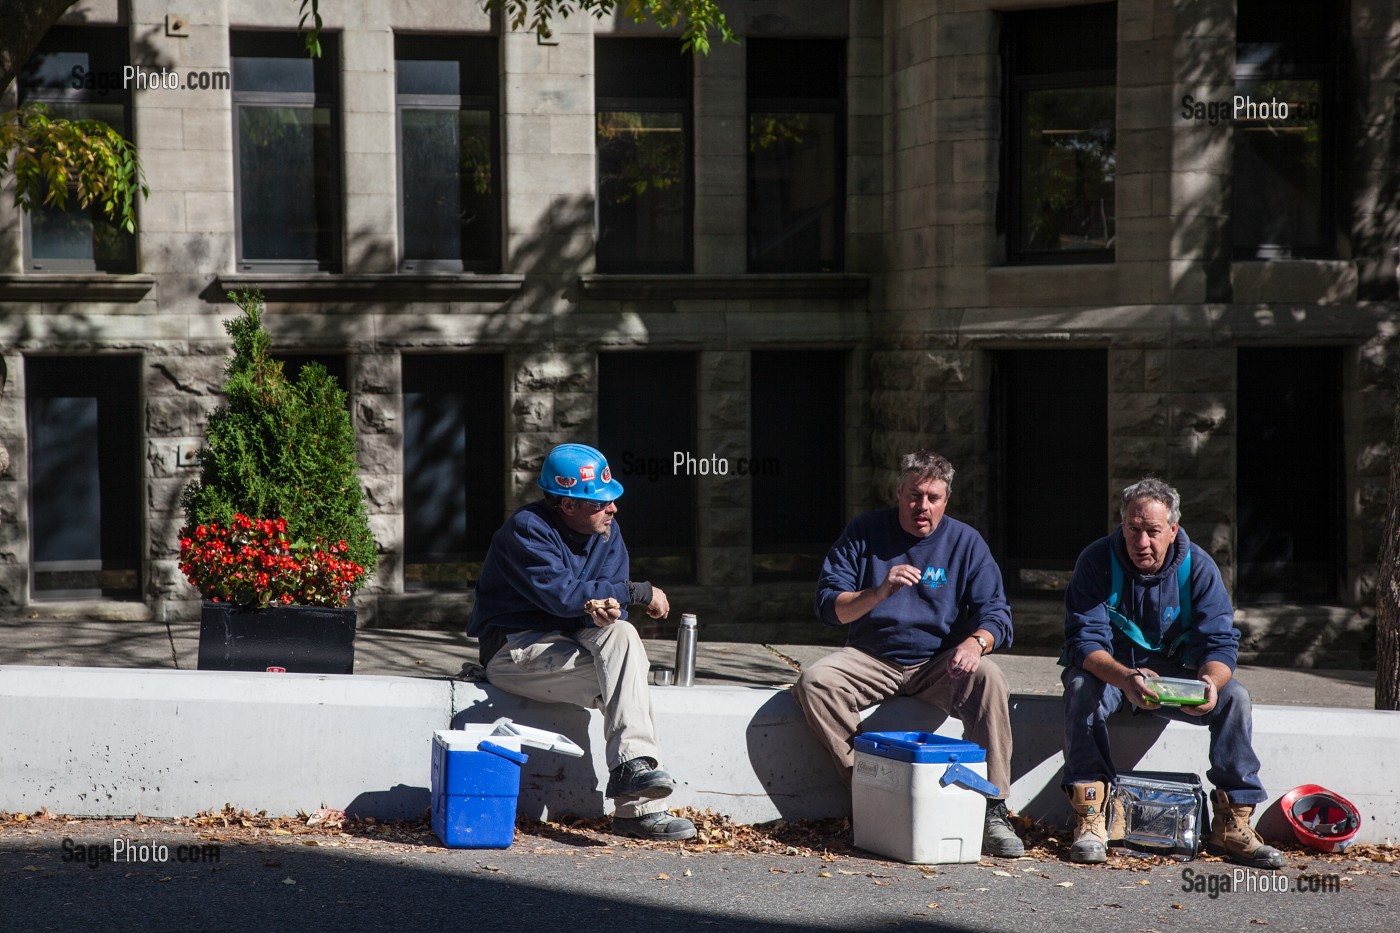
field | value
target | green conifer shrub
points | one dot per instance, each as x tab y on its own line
278	449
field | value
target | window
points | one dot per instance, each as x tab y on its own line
1289	474
76	73
1059	191
646	413
453	465
1283	172
642	91
797	468
796	155
286	144
86	498
334	364
449	188
1049	440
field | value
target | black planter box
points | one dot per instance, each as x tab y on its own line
295	639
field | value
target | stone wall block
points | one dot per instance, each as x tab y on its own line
1125	370
946	369
529	450
1137	413
1137	456
723	566
376	373
898	410
382	492
533	412
576	411
1205	369
172	416
556	372
378	414
1193	413
380	454
183	375
163	493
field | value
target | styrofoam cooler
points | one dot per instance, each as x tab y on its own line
919	797
476	781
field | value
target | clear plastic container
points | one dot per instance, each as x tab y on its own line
1177	691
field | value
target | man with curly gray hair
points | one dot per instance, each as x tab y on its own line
1145	602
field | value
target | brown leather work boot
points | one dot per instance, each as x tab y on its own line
1088	799
1231	834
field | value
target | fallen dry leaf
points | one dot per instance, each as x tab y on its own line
663	877
1065	884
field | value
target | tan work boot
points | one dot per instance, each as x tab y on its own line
1231	834
1088	798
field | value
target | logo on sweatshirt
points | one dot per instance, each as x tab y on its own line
934	577
1170	613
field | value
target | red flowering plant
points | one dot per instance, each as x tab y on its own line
253	562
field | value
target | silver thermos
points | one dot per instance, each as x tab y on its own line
685	651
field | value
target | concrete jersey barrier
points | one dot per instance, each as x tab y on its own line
114	742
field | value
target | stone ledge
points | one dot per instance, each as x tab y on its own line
376	287
74	286
1320	281
774	286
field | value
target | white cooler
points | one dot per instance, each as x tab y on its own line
919	797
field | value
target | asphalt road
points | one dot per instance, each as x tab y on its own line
346	883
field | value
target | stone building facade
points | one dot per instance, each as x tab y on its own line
1060	298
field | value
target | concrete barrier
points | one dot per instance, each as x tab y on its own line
102	742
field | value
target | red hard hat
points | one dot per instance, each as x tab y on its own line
1320	819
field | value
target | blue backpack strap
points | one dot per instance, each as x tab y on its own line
1183	589
1115	616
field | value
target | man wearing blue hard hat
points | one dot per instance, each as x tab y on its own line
551	617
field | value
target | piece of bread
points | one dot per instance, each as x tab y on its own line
593	605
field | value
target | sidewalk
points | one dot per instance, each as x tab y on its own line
434	654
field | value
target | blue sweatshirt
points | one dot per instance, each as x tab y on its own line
538	574
960	591
1153	601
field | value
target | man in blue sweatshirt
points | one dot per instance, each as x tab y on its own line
923	603
551	616
1146	602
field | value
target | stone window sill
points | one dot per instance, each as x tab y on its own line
1315	281
74	286
388	287
740	286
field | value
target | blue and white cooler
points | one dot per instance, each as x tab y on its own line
476	780
919	797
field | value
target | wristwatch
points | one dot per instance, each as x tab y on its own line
986	645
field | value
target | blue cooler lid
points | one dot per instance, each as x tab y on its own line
919	747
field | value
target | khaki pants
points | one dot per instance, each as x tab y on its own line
600	668
833	691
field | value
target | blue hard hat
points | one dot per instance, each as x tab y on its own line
579	472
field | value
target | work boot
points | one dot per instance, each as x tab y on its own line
658	826
1231	834
1088	799
639	777
998	838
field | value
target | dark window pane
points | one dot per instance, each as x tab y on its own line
641	189
287	193
1067	169
641	68
797	466
646	413
333	363
1066	40
448	191
454	458
1289	474
1278	166
276	62
1050	447
795	69
794	194
1060	95
456	66
85	482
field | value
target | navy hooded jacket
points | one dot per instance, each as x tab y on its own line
1153	601
538	574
